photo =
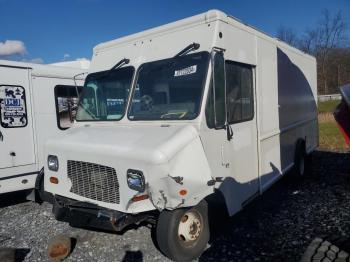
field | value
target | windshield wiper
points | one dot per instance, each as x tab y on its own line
186	50
120	63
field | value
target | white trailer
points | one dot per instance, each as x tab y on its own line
174	115
33	107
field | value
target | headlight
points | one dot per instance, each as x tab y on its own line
136	180
52	163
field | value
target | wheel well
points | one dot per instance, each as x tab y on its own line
217	203
300	145
300	148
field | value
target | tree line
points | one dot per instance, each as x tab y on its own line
329	43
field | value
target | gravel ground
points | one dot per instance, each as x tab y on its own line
277	226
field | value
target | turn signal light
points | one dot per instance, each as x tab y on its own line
183	192
54	180
139	198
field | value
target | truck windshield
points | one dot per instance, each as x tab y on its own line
105	95
170	89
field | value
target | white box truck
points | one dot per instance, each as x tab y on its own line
36	102
173	115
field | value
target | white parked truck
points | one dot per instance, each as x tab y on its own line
36	102
173	115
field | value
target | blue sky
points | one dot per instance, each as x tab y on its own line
51	31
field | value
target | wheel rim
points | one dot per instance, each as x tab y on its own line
190	227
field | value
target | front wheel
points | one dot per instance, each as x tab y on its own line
183	234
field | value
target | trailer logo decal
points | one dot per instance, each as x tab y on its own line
12	106
12	102
186	71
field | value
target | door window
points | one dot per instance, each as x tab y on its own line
216	106
13	111
66	105
239	92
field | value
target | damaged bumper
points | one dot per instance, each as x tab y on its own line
82	214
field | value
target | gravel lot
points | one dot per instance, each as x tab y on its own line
276	227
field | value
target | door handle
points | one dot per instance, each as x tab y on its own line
1	137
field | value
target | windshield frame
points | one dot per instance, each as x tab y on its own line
126	100
165	120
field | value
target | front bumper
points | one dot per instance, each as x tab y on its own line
83	214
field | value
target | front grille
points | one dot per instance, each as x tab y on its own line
93	181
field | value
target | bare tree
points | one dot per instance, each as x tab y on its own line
287	35
310	41
319	42
332	30
338	68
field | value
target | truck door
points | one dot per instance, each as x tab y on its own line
16	130
230	140
241	119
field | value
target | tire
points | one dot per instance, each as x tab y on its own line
300	161
183	234
323	250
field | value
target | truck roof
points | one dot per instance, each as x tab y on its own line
42	70
209	16
80	64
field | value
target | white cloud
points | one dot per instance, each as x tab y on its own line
12	47
66	56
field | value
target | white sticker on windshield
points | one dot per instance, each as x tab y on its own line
186	71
